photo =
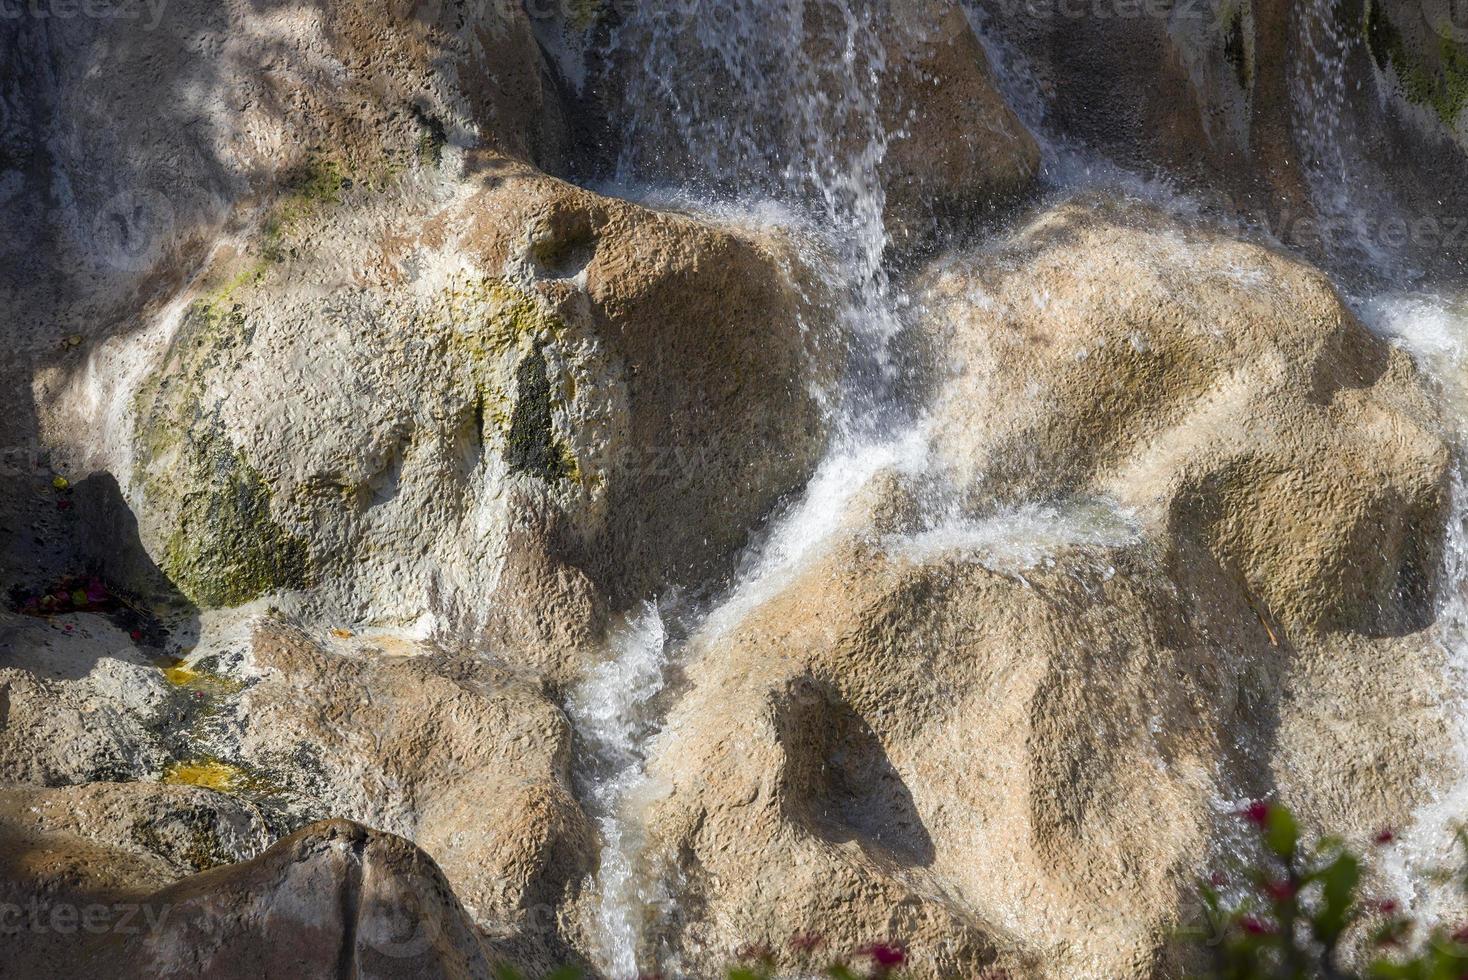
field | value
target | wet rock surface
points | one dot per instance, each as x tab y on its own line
825	527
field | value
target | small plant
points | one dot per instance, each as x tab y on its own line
1300	911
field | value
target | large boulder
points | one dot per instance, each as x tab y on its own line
1219	389
466	760
334	900
1166	549
516	389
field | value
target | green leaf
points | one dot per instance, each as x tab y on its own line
1338	882
1281	832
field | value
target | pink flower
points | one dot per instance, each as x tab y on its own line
1387	906
1384	836
1256	813
136	635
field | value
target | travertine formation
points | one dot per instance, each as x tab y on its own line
345	427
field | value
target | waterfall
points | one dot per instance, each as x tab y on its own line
767	109
1429	319
771	110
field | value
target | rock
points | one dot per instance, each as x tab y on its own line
1218	388
464	759
165	832
334	900
538	387
1007	756
1000	730
77	706
957	147
467	760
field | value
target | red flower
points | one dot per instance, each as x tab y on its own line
1256	813
886	956
1254	927
1384	836
1387	906
136	635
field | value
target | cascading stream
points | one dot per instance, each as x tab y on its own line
737	105
1380	281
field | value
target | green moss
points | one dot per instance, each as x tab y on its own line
226	548
1438	81
532	446
318	182
515	319
432	137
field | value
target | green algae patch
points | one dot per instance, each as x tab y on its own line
1436	79
225	547
492	320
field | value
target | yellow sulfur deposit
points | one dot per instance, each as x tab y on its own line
208	773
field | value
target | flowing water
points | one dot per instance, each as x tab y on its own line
767	108
771	109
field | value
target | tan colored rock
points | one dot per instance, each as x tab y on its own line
1013	733
1218	388
163	832
334	900
538	396
468	761
1008	759
78	702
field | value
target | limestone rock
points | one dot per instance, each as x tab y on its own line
896	96
563	399
1216	387
78	702
466	760
334	900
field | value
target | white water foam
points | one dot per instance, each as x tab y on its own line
612	712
